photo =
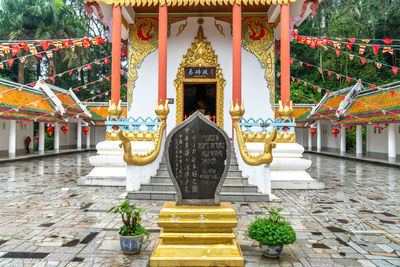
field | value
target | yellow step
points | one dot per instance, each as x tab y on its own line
197	238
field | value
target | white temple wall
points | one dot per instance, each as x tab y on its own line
377	143
254	87
21	133
68	140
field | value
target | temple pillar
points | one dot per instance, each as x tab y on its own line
342	140
237	54
88	139
392	142
285	53
79	135
116	54
162	52
57	137
41	138
12	139
309	140
319	136
359	141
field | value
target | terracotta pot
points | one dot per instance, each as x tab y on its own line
272	252
131	244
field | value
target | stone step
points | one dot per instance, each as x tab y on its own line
228	180
232	167
169	187
225	196
233	173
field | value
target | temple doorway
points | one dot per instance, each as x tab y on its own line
202	97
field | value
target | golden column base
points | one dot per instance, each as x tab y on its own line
197	236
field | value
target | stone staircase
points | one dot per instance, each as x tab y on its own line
235	188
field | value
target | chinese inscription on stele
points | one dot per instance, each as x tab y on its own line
198	154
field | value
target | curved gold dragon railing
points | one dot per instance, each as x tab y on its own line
269	142
162	111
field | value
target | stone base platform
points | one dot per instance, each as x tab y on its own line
197	236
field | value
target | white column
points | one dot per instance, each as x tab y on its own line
12	138
57	137
359	141
392	142
79	135
319	136
309	140
342	140
88	138
41	137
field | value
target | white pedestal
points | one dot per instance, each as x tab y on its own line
110	169
287	169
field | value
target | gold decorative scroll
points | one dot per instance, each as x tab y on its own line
143	39
142	159
200	54
162	111
138	3
269	141
132	136
258	39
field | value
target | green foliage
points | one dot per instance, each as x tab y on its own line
273	231
130	216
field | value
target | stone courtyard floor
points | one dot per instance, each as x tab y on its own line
46	219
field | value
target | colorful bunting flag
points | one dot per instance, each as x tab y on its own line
361	50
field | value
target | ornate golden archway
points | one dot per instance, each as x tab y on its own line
200	54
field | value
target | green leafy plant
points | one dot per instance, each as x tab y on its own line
130	216
272	230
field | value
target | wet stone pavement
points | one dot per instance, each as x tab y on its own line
46	219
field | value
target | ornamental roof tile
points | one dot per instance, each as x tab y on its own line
138	3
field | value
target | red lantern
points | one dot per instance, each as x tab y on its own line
335	132
64	129
85	130
313	131
50	130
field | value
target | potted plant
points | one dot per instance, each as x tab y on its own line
271	232
131	233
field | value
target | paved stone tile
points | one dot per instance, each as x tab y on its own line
353	222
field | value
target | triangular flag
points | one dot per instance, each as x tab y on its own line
24	45
22	59
366	41
395	69
45	44
337	52
351	56
70	72
361	50
329	73
348	79
320	70
392	92
291	60
378	65
106	60
363	60
375	48
337	76
39	55
348	46
76	89
372	87
108	78
52	79
387	41
10	62
88	67
352	40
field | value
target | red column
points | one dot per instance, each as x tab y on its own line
116	54
237	56
285	53
162	52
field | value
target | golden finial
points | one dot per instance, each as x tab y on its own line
162	110
236	111
114	110
285	111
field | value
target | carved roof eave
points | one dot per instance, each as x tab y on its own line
138	3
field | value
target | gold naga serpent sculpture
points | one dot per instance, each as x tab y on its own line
162	111
269	142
